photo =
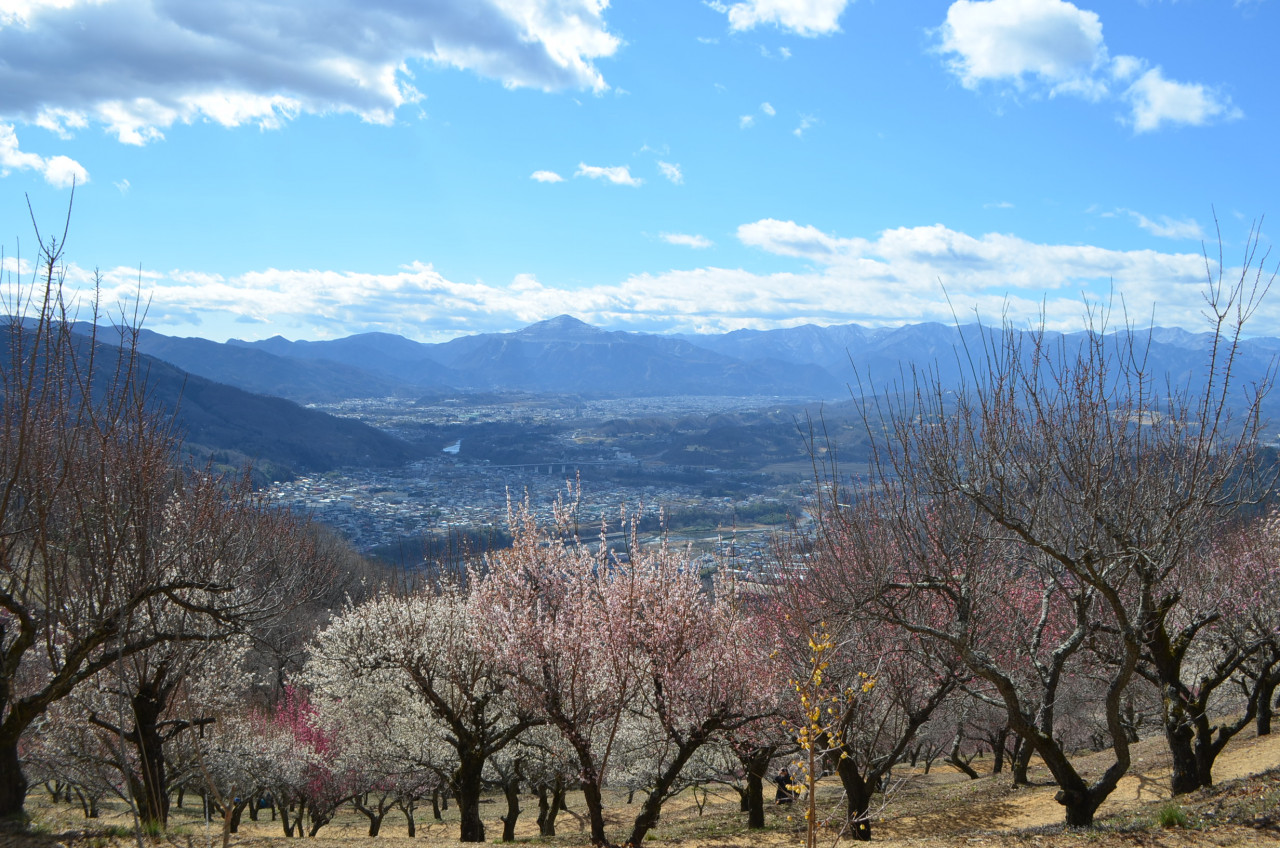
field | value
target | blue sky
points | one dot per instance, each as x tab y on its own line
317	168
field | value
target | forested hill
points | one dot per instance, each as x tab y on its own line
276	435
216	416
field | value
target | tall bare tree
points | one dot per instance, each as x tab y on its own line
1066	470
107	548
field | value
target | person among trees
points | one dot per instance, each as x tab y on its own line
785	794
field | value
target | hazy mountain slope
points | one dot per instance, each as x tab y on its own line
848	350
882	359
219	417
389	356
255	370
564	354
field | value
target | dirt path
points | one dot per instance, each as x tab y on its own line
961	806
1248	757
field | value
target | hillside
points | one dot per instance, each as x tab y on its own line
261	372
227	423
942	809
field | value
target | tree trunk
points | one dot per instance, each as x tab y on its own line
407	807
467	784
755	802
237	812
858	796
550	803
283	806
511	789
595	811
997	750
1130	718
435	805
88	805
1020	762
147	706
956	759
319	818
1266	704
652	807
374	815
650	812
756	766
13	783
1180	737
1080	805
544	808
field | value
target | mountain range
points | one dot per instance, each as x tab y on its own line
246	397
562	354
566	355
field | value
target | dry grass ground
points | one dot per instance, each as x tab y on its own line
942	809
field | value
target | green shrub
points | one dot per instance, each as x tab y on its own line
1171	815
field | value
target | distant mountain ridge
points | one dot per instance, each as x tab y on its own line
217	418
564	354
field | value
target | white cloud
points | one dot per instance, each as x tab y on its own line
19	12
746	122
768	109
891	277
915	258
58	171
139	66
525	283
803	17
999	204
672	172
806	123
1157	101
1052	41
1055	47
685	240
64	172
1125	68
14	265
61	122
1167	227
546	177
618	174
787	238
123	185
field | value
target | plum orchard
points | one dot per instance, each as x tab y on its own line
1051	522
111	554
632	664
1043	552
